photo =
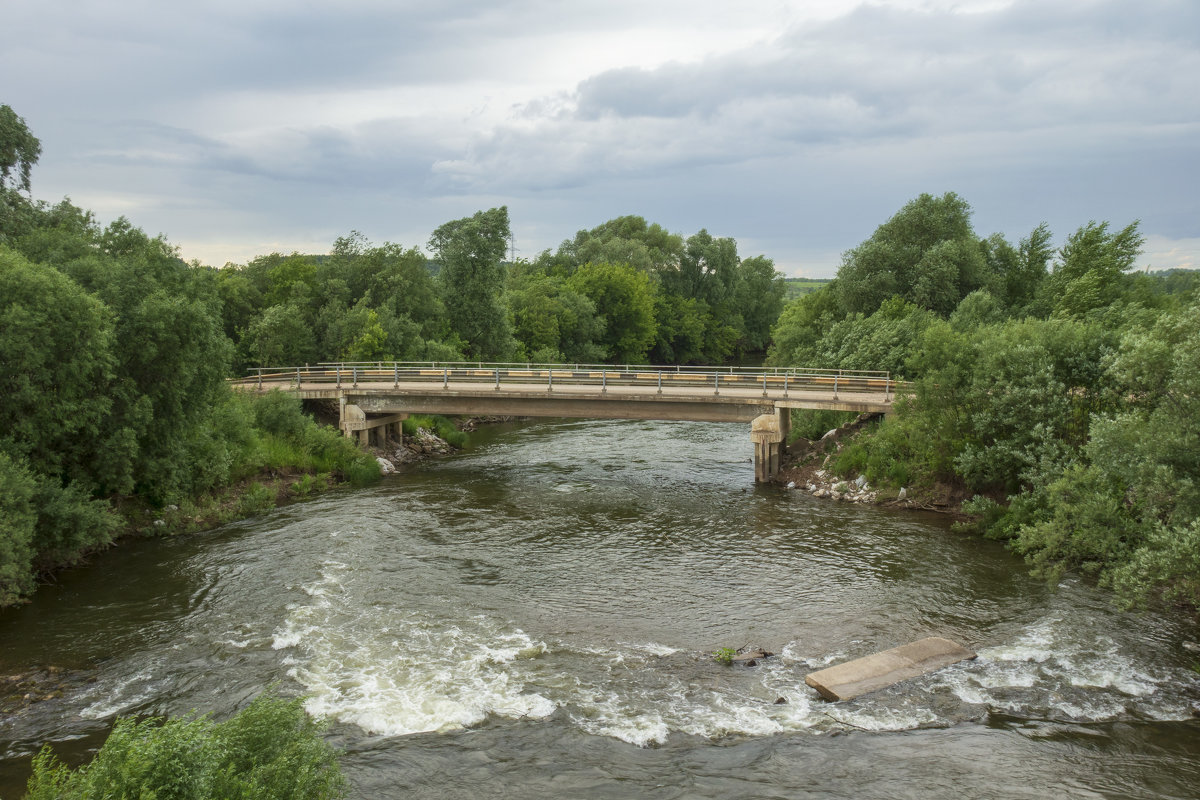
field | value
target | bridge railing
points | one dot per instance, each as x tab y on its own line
770	379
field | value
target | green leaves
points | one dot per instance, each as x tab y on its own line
271	750
19	150
470	252
927	254
624	298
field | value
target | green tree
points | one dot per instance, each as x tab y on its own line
624	240
758	297
1019	270
56	344
927	254
470	252
281	337
681	324
624	299
19	151
801	325
884	340
1090	273
370	342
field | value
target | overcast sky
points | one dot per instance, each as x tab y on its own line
241	127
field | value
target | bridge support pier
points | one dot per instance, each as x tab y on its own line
766	431
369	430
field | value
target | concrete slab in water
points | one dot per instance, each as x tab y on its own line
878	671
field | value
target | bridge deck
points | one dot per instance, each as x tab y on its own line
726	403
726	394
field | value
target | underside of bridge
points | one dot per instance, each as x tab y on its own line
367	413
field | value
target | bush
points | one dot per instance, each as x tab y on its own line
257	500
441	426
269	750
415	422
1168	564
280	414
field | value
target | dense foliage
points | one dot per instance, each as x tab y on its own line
626	291
1056	387
271	750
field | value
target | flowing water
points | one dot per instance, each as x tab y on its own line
536	617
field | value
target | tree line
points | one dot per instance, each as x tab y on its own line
1058	387
626	291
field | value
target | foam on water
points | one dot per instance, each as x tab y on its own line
1057	670
396	671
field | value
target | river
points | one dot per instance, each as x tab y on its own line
536	617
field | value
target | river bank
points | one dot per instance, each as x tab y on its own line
808	466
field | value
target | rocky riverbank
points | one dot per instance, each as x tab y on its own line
423	444
808	468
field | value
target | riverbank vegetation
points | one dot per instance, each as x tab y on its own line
271	749
1055	387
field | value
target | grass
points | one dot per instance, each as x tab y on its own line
797	287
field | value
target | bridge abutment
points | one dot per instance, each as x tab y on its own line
368	431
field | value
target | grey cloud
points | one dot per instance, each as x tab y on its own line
1057	110
875	75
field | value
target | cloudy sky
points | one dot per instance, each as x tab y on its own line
242	127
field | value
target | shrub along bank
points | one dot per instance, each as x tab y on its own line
271	750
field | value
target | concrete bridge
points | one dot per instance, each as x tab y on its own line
374	398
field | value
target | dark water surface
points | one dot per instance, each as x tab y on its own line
536	618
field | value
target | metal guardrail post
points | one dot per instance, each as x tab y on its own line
835	381
297	377
603	381
785	384
354	378
395	376
497	379
716	383
445	378
660	381
550	380
260	377
764	384
338	375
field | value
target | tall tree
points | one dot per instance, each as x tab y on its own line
471	255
